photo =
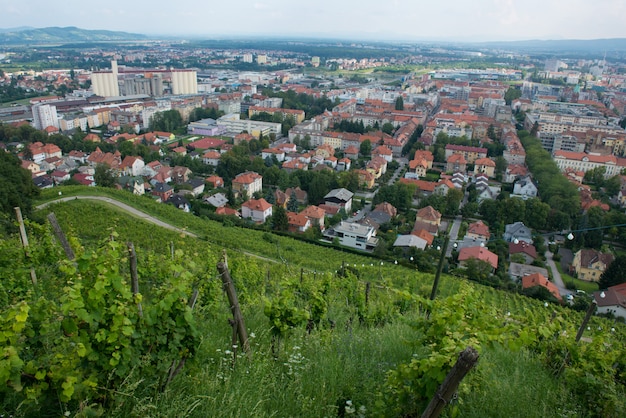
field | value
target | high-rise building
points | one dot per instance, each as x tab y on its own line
45	115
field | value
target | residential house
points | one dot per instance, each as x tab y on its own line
60	176
354	235
384	152
247	184
410	241
456	163
443	187
197	186
132	166
279	154
524	249
479	253
180	174
518	270
518	231
589	264
478	230
217	200
525	188
316	215
471	154
43	182
429	215
513	172
179	202
366	179
215	181
537	279
302	197
344	164
163	191
211	157
298	222
383	213
612	301
135	185
84	179
78	156
294	165
256	209
340	198
351	152
281	198
224	210
484	166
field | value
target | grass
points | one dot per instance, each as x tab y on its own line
588	287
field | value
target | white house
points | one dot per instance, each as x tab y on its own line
361	237
525	188
256	209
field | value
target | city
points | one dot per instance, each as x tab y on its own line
506	166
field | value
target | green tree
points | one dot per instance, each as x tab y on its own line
292	205
168	121
16	185
511	94
103	176
280	221
366	148
536	213
387	128
615	273
399	103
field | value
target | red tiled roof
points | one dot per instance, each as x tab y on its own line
538	279
479	253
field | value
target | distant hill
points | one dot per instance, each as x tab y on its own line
54	35
588	46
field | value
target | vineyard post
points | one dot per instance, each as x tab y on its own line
367	293
231	293
590	311
467	359
172	249
61	236
433	293
134	277
24	237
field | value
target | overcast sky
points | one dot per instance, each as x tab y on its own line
471	20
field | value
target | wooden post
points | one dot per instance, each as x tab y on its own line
367	293
172	249
590	311
231	293
69	253
134	277
467	359
24	237
433	293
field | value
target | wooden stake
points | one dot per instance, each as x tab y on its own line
134	277
231	293
24	238
467	359
61	236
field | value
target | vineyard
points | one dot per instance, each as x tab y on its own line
330	333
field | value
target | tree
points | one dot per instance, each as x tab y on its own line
280	221
387	128
366	148
615	273
536	213
292	205
104	176
511	94
16	185
399	103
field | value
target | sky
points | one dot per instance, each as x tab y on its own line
409	20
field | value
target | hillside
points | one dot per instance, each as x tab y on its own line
53	35
362	340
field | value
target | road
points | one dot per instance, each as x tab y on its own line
454	232
556	276
145	217
124	207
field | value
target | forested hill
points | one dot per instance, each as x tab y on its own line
66	34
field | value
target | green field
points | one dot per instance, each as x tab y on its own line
325	341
